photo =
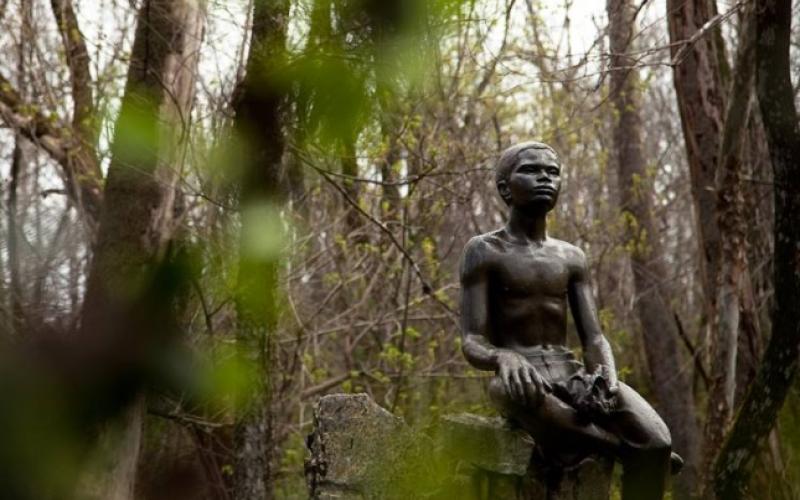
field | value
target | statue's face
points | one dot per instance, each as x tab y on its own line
534	182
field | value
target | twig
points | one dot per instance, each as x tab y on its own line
324	386
692	351
426	287
184	418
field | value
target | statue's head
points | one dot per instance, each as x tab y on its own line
528	176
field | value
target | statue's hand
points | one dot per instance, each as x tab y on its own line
521	380
611	378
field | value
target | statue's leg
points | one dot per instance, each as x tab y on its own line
553	424
646	446
634	433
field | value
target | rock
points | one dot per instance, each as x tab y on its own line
501	460
588	480
486	443
358	450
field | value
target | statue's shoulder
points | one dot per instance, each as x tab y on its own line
487	242
572	253
481	250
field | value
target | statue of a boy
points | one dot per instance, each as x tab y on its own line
516	284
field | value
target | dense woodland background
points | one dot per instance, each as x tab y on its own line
213	212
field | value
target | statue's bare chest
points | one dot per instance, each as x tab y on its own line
524	272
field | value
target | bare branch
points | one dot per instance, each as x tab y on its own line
83	184
80	77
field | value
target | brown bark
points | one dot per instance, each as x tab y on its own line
757	282
733	269
699	89
80	77
133	229
671	385
13	222
12	242
779	364
714	146
85	167
258	124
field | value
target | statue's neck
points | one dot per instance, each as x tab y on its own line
530	225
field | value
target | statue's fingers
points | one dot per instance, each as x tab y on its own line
531	390
519	392
526	376
525	384
544	385
537	379
505	377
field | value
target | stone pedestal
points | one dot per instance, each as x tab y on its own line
358	450
499	460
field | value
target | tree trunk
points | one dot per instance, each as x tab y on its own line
733	269
12	242
258	124
699	89
714	146
18	160
135	219
349	160
779	365
390	128
671	385
758	286
84	175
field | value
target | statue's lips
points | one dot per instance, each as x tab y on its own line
548	191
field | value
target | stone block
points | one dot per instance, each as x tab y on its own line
358	450
488	444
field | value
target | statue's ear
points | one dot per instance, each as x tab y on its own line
505	192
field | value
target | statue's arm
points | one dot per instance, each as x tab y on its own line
596	349
475	308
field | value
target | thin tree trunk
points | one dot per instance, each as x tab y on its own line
779	365
85	179
13	219
700	93
349	161
386	71
733	258
697	79
258	124
134	221
390	203
758	286
12	223
671	385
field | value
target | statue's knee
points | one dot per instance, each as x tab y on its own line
496	389
497	392
652	442
662	444
660	437
658	443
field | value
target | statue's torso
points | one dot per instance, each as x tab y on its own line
528	284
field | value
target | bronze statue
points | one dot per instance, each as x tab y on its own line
516	284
